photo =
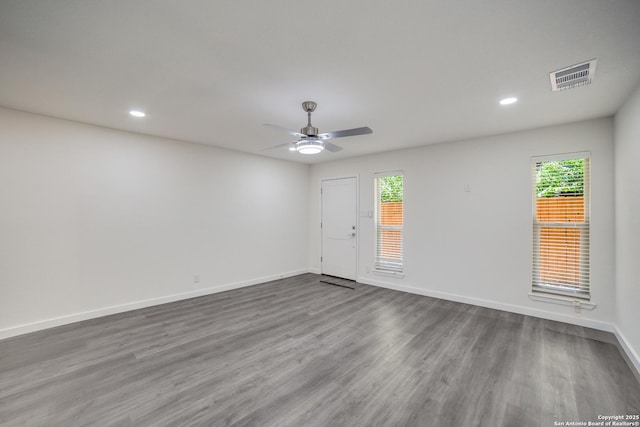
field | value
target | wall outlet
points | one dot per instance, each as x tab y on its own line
577	307
467	188
196	278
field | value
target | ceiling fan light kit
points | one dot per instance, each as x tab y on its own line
312	142
309	146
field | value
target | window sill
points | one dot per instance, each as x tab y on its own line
556	299
389	273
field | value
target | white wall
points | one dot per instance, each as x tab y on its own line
627	208
94	220
476	246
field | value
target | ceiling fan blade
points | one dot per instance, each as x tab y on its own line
278	146
347	132
331	147
289	131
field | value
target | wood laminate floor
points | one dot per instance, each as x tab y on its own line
298	352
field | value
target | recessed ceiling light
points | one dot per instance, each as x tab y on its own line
507	101
136	113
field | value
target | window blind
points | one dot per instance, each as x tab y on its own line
561	217
389	222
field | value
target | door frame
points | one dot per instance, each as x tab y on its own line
357	214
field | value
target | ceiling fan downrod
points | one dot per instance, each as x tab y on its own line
309	107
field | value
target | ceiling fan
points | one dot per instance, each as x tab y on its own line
312	142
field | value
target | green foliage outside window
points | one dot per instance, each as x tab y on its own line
390	188
560	178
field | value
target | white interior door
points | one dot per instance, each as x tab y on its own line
339	227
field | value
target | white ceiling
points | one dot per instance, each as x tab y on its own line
417	72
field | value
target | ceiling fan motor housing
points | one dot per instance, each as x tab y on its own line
309	130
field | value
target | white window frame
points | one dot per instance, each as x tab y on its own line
387	268
545	291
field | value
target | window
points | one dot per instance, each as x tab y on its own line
389	221
561	225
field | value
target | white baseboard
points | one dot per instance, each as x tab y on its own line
634	358
588	323
105	311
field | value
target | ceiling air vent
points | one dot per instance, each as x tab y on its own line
573	76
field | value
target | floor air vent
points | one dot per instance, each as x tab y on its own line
573	76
